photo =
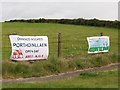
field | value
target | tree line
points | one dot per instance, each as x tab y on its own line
79	21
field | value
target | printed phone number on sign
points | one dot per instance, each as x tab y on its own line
33	56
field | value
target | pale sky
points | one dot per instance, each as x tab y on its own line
30	9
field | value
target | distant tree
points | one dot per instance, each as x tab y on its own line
79	21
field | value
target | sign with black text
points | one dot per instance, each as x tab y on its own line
29	47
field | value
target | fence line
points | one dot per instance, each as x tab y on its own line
58	47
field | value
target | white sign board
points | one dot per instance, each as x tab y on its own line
98	44
29	47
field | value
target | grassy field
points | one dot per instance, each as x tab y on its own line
73	50
108	79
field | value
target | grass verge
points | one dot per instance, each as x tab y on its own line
107	79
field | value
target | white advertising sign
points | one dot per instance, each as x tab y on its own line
98	44
29	47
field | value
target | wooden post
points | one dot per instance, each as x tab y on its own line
101	34
59	44
14	33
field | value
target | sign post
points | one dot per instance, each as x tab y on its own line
59	44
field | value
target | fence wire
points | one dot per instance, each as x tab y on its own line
71	47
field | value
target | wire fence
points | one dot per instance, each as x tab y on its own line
60	45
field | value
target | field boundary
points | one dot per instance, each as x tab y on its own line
61	75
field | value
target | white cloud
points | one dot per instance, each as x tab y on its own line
25	10
60	0
0	11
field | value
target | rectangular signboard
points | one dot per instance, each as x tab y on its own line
29	47
98	44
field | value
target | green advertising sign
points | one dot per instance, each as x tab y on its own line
98	44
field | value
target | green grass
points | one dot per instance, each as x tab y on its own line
107	79
74	48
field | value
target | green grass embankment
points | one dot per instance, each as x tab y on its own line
74	48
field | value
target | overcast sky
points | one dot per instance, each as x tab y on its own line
89	10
